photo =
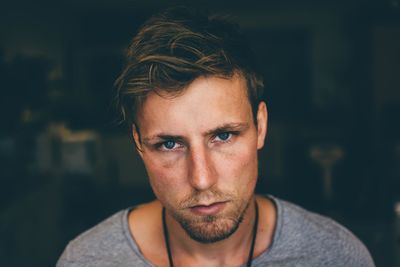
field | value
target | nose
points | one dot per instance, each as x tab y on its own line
202	174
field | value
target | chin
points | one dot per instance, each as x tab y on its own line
210	229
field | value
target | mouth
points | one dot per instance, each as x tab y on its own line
209	209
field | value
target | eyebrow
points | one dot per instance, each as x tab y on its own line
229	127
226	127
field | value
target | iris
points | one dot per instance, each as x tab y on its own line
224	136
169	144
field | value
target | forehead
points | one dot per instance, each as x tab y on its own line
204	104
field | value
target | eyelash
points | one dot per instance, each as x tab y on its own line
160	146
232	134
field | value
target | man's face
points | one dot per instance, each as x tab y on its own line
200	152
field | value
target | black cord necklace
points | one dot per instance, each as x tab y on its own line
166	238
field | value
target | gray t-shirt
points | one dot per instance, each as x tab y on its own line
301	238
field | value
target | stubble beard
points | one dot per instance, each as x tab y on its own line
213	228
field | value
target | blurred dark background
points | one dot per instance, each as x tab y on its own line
332	75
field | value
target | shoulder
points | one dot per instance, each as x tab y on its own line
106	244
307	233
145	224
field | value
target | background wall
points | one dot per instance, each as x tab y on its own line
332	75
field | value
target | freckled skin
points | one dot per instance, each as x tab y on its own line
203	169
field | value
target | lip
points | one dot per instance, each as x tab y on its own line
210	209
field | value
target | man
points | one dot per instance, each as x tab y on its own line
190	91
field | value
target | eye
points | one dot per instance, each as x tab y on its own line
168	145
225	136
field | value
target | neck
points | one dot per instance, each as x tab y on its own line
234	249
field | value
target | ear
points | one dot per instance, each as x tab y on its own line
136	139
262	124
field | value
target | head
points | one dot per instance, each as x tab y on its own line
190	91
174	48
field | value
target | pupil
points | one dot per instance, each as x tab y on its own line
223	136
169	144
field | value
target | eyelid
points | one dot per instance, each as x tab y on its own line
227	131
232	133
159	145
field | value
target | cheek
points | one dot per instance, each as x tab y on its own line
164	177
240	166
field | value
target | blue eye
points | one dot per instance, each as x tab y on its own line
224	136
169	144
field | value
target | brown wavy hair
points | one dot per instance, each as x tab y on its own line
174	48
